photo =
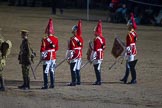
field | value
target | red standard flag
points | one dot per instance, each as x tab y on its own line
118	48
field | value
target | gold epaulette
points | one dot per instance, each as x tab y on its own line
55	36
128	32
44	37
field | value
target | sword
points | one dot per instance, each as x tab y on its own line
61	62
33	72
89	61
66	57
37	66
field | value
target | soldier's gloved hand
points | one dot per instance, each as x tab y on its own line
3	62
33	55
68	61
43	55
32	60
128	49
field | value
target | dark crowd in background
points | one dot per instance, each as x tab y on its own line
146	11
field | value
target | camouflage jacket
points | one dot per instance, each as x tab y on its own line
25	53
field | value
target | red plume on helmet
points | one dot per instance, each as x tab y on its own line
79	29
49	28
133	21
98	29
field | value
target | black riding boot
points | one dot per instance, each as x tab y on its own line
25	86
78	76
24	83
73	75
2	87
133	74
52	80
98	75
28	83
124	79
45	78
133	71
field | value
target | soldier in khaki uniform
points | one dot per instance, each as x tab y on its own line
5	47
25	58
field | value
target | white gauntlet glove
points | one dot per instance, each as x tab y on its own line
43	55
128	49
69	54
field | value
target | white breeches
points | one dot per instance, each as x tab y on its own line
77	64
50	66
97	62
131	58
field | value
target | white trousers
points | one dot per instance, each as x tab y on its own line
50	66
97	62
78	63
131	58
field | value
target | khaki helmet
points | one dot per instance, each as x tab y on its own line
24	32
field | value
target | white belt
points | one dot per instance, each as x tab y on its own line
51	50
99	49
132	44
79	48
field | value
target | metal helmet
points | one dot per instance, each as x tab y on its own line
74	28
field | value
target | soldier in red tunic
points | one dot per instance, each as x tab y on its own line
48	50
131	51
98	46
74	53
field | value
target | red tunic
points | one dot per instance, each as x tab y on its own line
131	43
49	46
99	46
76	45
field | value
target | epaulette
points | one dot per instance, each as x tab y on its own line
129	32
55	36
97	37
72	37
44	37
